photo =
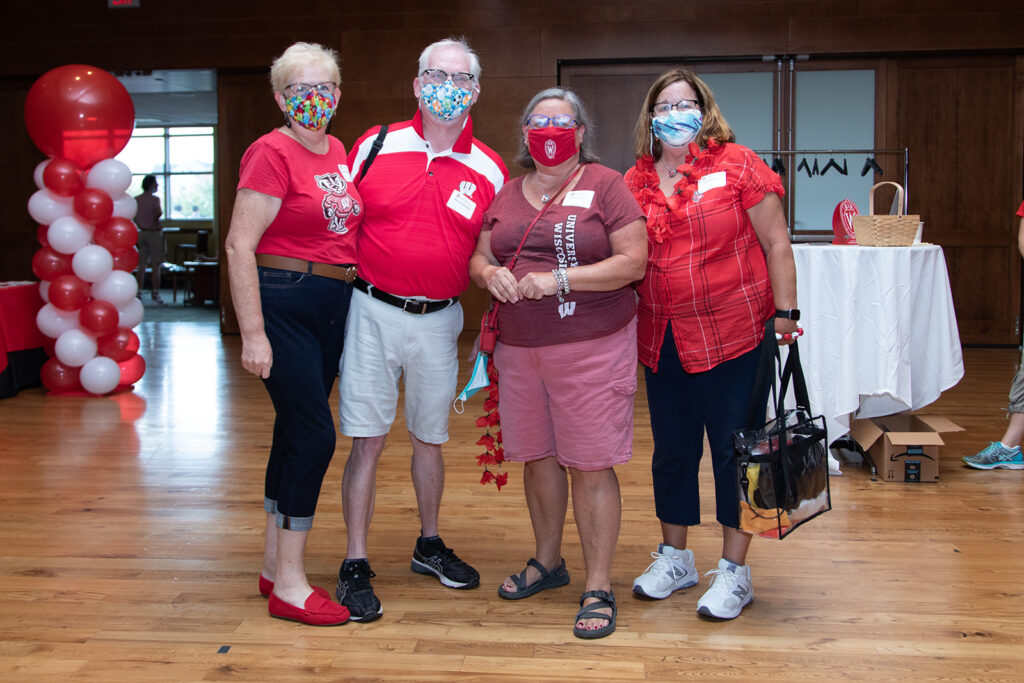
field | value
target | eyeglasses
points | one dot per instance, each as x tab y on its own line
460	79
541	121
661	108
303	89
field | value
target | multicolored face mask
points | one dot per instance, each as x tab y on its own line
678	128
445	101
312	111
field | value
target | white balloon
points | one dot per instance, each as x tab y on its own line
45	207
75	348
68	234
109	175
53	322
100	375
44	290
92	263
130	314
37	175
119	288
125	205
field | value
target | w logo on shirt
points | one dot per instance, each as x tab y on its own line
566	308
467	188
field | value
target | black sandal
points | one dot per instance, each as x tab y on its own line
605	599
548	579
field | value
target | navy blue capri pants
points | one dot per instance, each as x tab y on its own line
683	405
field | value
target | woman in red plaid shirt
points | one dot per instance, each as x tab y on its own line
719	266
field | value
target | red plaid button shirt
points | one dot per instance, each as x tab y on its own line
706	270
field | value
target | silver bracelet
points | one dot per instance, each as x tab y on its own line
558	273
565	280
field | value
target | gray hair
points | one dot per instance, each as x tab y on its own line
461	43
588	153
298	56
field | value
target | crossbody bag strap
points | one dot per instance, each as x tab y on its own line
378	142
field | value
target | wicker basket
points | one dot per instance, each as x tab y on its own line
886	230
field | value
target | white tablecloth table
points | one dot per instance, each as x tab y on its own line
881	333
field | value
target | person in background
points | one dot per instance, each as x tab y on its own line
425	191
566	355
720	265
291	251
151	238
1006	453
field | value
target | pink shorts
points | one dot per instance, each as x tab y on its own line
573	401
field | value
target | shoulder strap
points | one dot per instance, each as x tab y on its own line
378	142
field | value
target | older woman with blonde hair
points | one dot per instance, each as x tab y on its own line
719	267
291	254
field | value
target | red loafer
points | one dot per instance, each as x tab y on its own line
318	610
267	587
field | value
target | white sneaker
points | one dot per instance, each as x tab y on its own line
671	570
729	593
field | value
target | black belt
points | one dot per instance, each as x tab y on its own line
414	306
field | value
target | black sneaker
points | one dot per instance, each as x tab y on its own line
355	592
433	557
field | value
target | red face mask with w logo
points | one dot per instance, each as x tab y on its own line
551	146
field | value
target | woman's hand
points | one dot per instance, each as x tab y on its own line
257	356
502	285
538	285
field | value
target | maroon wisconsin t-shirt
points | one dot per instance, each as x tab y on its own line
571	233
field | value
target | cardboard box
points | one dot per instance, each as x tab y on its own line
903	447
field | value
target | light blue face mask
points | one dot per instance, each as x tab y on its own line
678	128
446	101
477	381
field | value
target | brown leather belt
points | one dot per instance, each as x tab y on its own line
346	272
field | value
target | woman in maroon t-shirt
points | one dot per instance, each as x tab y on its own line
567	351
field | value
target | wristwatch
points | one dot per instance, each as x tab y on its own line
792	314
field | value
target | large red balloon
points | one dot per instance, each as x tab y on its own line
116	234
59	378
132	370
47	264
98	317
120	345
126	260
69	292
79	112
93	205
63	177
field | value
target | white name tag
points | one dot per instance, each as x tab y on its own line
583	198
711	181
461	204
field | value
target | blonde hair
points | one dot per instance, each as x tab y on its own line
715	126
301	55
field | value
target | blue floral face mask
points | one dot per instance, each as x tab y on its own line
678	128
445	101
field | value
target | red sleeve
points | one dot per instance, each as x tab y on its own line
621	207
1020	211
264	170
756	179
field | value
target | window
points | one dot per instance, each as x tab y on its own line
181	158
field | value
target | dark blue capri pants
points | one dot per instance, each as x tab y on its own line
683	405
304	319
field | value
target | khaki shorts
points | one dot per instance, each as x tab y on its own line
384	344
1017	390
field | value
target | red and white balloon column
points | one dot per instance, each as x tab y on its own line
81	117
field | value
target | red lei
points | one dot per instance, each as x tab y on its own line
646	187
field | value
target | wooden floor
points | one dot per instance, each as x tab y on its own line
131	539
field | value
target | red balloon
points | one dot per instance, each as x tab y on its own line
132	369
69	292
63	177
50	347
126	260
93	205
120	345
98	317
79	112
41	235
47	264
59	378
116	234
